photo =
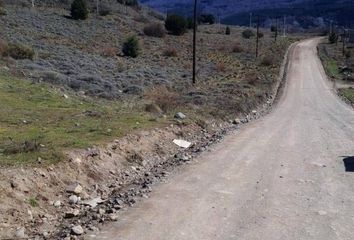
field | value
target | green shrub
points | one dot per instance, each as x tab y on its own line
18	51
154	30
131	47
33	202
228	30
273	28
129	2
190	23
260	35
206	19
79	10
104	10
176	24
333	38
247	34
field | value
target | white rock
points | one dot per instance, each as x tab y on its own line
74	188
180	115
182	143
113	217
93	202
77	230
57	203
20	233
73	199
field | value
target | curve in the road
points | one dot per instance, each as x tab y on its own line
280	177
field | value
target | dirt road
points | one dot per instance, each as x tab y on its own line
281	177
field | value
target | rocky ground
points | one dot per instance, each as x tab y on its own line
58	201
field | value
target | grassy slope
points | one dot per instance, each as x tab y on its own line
38	122
348	94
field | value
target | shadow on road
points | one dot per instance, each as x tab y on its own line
349	164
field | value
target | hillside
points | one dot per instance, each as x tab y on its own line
301	13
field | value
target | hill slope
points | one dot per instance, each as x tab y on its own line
305	12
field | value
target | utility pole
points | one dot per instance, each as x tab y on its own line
284	27
251	20
343	40
331	27
194	41
257	41
276	29
97	4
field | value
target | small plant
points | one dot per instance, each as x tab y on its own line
273	28
190	23
220	67
248	34
332	38
176	25
33	202
260	35
347	54
79	10
17	51
268	61
2	10
109	52
104	10
131	47
133	3
171	52
228	30
154	30
236	48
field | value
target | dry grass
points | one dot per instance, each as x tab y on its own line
170	52
268	60
109	52
237	48
163	97
155	30
220	67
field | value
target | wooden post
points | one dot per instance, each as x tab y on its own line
257	41
276	29
194	41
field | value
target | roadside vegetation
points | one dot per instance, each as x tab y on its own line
338	61
39	122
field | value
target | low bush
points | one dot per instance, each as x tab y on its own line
206	19
260	35
237	48
228	30
104	10
2	10
176	25
170	52
248	34
79	10
17	51
268	60
131	47
134	3
333	38
166	99
154	30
